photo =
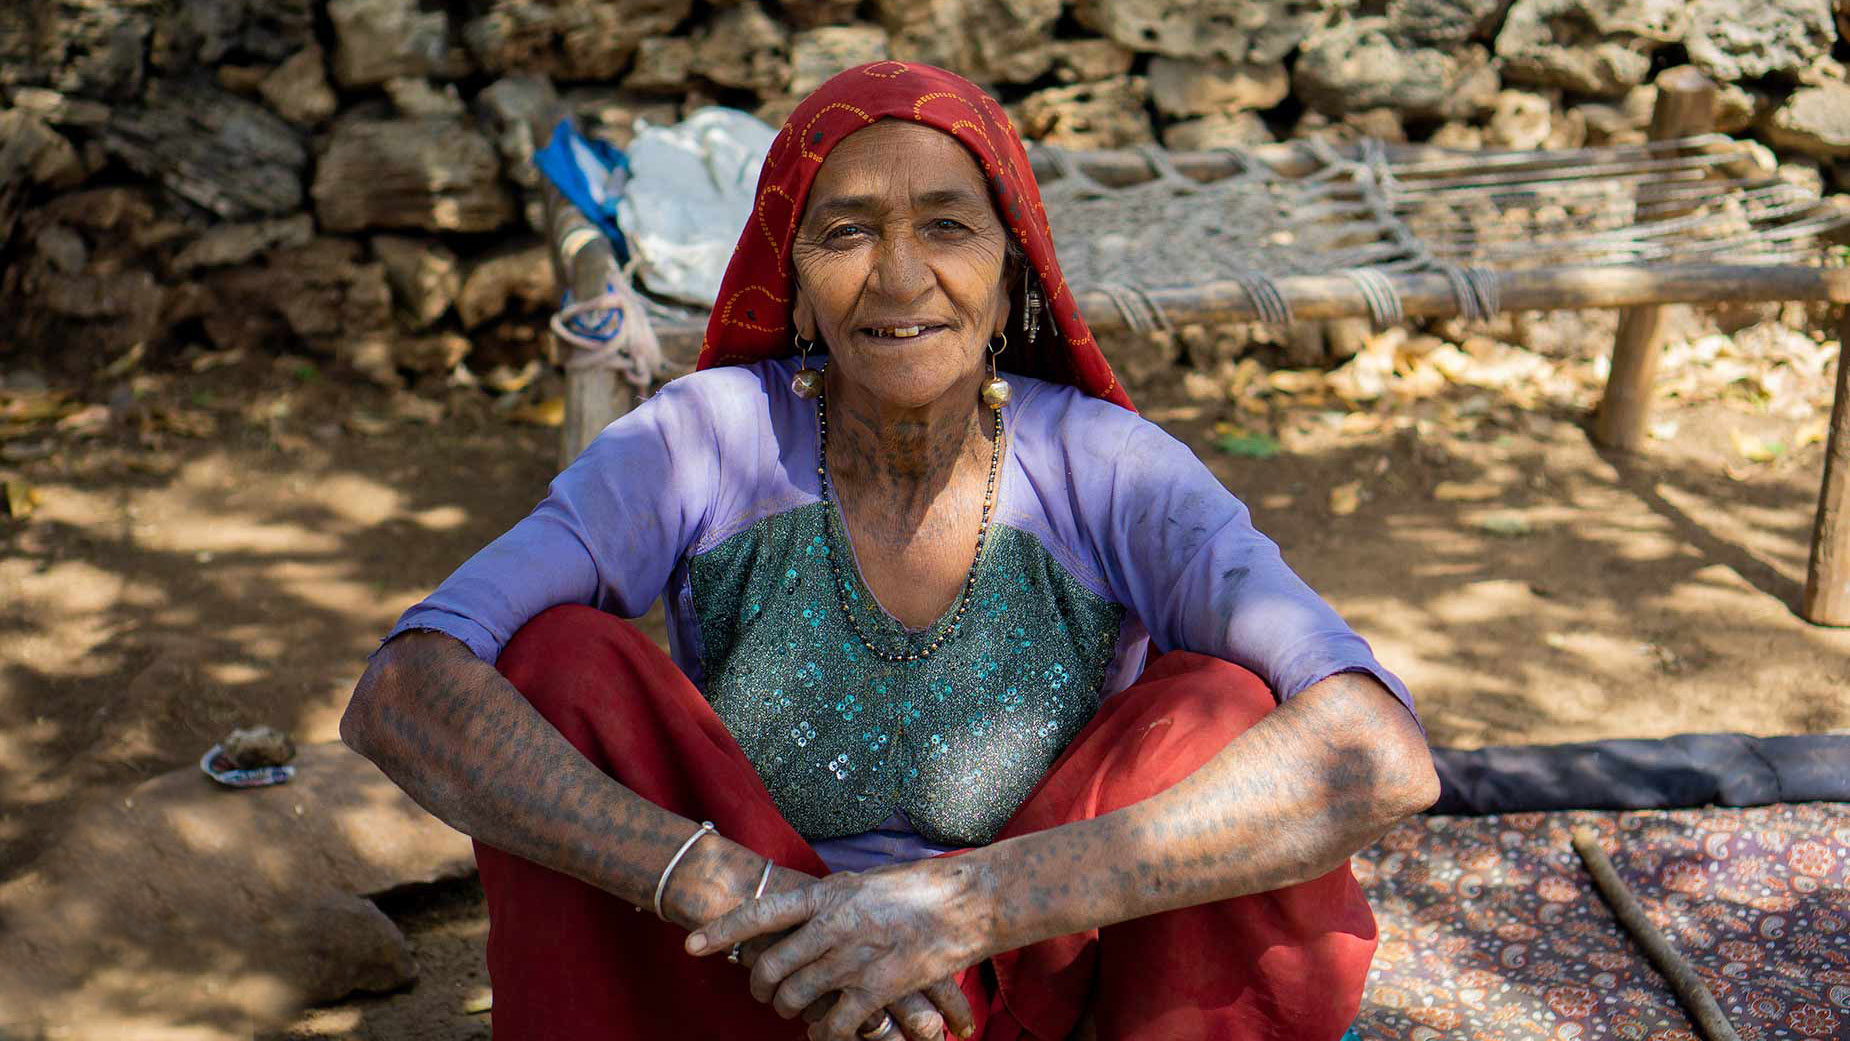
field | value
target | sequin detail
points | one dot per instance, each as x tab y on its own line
841	738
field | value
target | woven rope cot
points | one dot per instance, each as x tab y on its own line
1304	231
1473	218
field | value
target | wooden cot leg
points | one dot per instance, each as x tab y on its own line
1827	588
1685	106
1626	408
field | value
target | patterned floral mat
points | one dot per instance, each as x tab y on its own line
1491	929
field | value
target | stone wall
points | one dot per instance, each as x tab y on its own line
354	177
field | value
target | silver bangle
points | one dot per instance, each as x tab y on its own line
661	886
733	955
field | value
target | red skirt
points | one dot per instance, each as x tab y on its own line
571	962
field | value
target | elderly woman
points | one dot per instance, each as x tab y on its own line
988	710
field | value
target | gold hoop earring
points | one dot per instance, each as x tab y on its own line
807	383
996	389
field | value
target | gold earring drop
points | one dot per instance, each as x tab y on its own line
807	383
995	388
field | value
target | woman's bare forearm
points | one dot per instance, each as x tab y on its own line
1287	801
455	734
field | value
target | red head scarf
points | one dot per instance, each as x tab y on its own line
752	319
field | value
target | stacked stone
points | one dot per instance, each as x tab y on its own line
355	177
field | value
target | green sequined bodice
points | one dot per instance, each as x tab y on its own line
842	738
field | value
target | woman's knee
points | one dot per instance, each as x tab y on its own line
563	655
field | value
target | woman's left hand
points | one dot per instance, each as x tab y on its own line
870	936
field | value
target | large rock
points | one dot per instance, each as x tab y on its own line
243	905
1599	47
1253	31
298	88
1358	65
205	32
212	148
987	40
1082	61
517	112
744	47
568	39
380	39
1814	120
1225	130
1750	39
814	14
425	277
417	98
433	174
1107	114
1523	121
1440	23
818	54
226	244
1185	87
60	109
523	276
662	65
31	154
95	48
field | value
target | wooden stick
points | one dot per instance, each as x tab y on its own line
1120	167
1827	587
1430	295
1689	988
1685	106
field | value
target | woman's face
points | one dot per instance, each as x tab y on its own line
900	263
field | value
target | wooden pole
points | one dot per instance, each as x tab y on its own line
1429	295
582	259
1827	587
1690	990
1685	106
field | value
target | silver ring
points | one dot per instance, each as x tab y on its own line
885	1028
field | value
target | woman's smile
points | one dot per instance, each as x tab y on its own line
887	333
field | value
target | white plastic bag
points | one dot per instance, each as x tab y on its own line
690	193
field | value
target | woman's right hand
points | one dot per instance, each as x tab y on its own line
928	1015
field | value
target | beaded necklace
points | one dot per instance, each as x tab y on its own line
839	520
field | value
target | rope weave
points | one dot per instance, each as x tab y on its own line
1378	211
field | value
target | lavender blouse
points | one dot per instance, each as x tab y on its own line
1107	537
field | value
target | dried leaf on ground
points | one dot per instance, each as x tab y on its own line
21	499
34	407
1296	381
1812	432
1757	449
413	409
125	364
549	412
1506	525
366	424
209	360
1346	498
1243	443
87	421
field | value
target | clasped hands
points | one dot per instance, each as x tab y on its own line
841	949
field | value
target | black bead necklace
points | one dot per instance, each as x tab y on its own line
841	583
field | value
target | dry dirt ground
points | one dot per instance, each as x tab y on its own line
225	542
